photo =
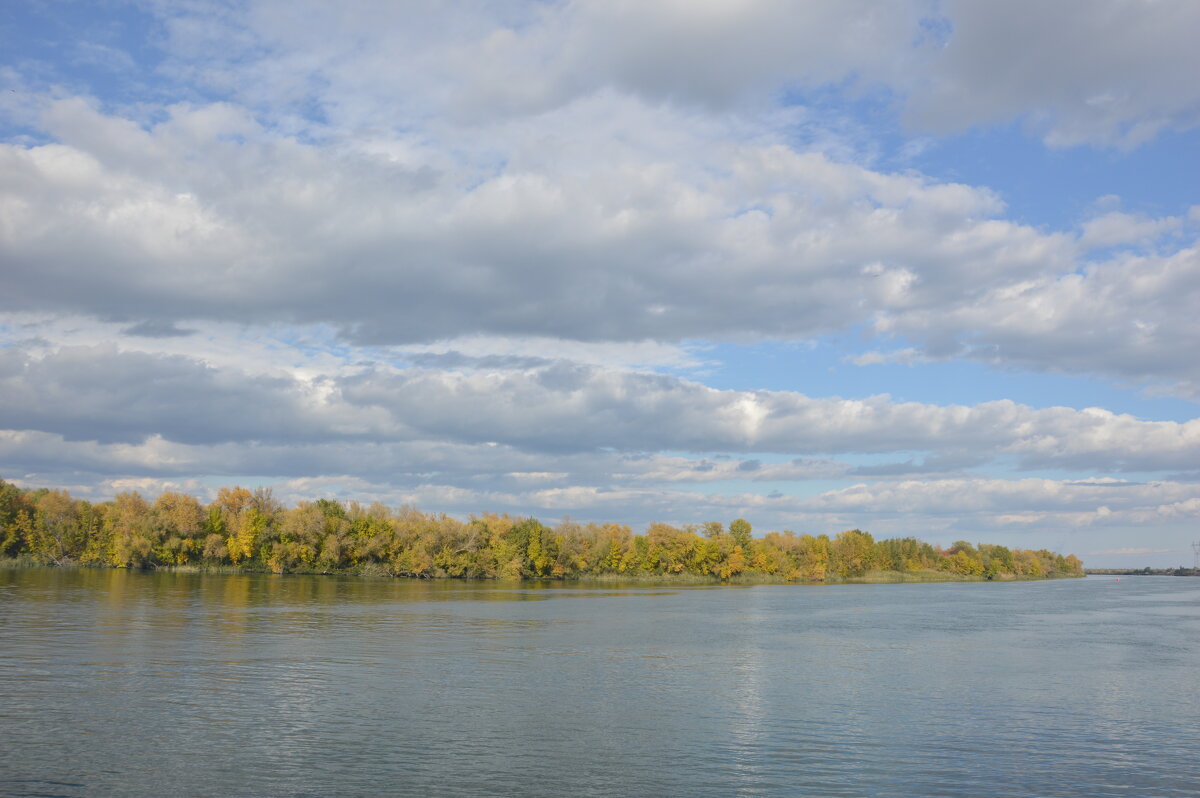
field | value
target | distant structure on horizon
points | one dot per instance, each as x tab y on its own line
1196	553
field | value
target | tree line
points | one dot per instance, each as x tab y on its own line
252	530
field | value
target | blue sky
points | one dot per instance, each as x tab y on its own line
923	268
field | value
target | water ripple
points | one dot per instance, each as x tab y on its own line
118	683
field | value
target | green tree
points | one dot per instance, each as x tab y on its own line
178	522
852	553
130	529
740	530
14	516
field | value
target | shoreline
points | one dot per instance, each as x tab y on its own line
1142	571
373	571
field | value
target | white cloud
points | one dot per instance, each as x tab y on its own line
637	250
905	357
209	216
1107	72
112	396
1130	317
713	54
1103	498
1123	228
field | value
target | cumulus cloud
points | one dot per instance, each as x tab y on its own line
571	406
52	458
602	180
1116	228
98	393
982	494
713	54
1114	72
273	230
207	215
107	395
992	507
157	329
905	357
1129	317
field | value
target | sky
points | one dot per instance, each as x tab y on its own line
922	268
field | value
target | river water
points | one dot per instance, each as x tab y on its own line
126	683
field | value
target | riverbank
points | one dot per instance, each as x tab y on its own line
376	571
1143	571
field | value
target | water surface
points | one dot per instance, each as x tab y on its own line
126	683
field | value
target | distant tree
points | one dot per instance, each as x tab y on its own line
178	520
331	508
740	530
56	536
14	515
133	536
852	553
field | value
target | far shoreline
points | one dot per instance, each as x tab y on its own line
1181	571
875	577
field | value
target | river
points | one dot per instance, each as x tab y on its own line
115	682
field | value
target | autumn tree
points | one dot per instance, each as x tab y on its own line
15	519
55	535
178	523
131	531
852	553
740	530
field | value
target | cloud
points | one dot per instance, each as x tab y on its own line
101	394
633	192
933	465
1128	317
1106	72
108	395
1116	228
53	458
157	329
640	250
208	215
1109	73
711	54
575	408
959	495
905	357
1000	507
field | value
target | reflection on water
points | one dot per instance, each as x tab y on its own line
128	683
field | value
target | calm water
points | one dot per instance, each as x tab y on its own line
119	683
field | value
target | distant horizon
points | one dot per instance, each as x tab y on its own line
923	268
